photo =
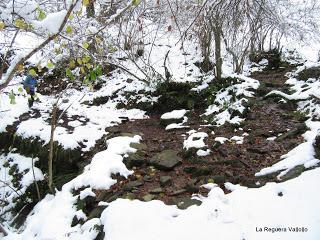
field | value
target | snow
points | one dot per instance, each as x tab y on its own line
177	125
221	140
175	114
9	191
58	210
121	145
271	138
87	192
203	153
238	215
9	113
195	140
24	165
98	173
237	139
224	102
294	96
24	8
52	22
87	131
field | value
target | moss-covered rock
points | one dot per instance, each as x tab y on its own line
273	56
65	160
313	72
302	128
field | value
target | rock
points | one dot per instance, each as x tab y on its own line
165	181
135	160
191	152
263	133
191	186
293	173
313	72
101	235
166	160
105	196
127	135
302	128
166	122
130	196
132	185
96	212
76	221
113	130
147	178
187	202
148	197
178	192
139	146
219	179
249	183
156	191
199	171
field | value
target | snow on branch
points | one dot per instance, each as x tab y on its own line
20	58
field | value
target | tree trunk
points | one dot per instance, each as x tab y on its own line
51	145
218	58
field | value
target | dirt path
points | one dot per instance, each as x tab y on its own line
229	162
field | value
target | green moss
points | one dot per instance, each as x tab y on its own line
175	96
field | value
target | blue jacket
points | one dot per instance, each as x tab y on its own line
30	82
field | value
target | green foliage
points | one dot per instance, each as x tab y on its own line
69	30
12	97
70	74
32	72
50	64
20	23
85	2
85	45
2	25
41	14
136	2
92	75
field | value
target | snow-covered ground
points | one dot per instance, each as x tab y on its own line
287	210
275	211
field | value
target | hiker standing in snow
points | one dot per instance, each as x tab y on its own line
30	84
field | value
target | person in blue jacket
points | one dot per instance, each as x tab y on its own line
30	84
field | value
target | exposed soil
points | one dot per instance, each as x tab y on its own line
229	162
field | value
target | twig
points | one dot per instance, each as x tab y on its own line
127	71
35	181
12	72
7	184
194	20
